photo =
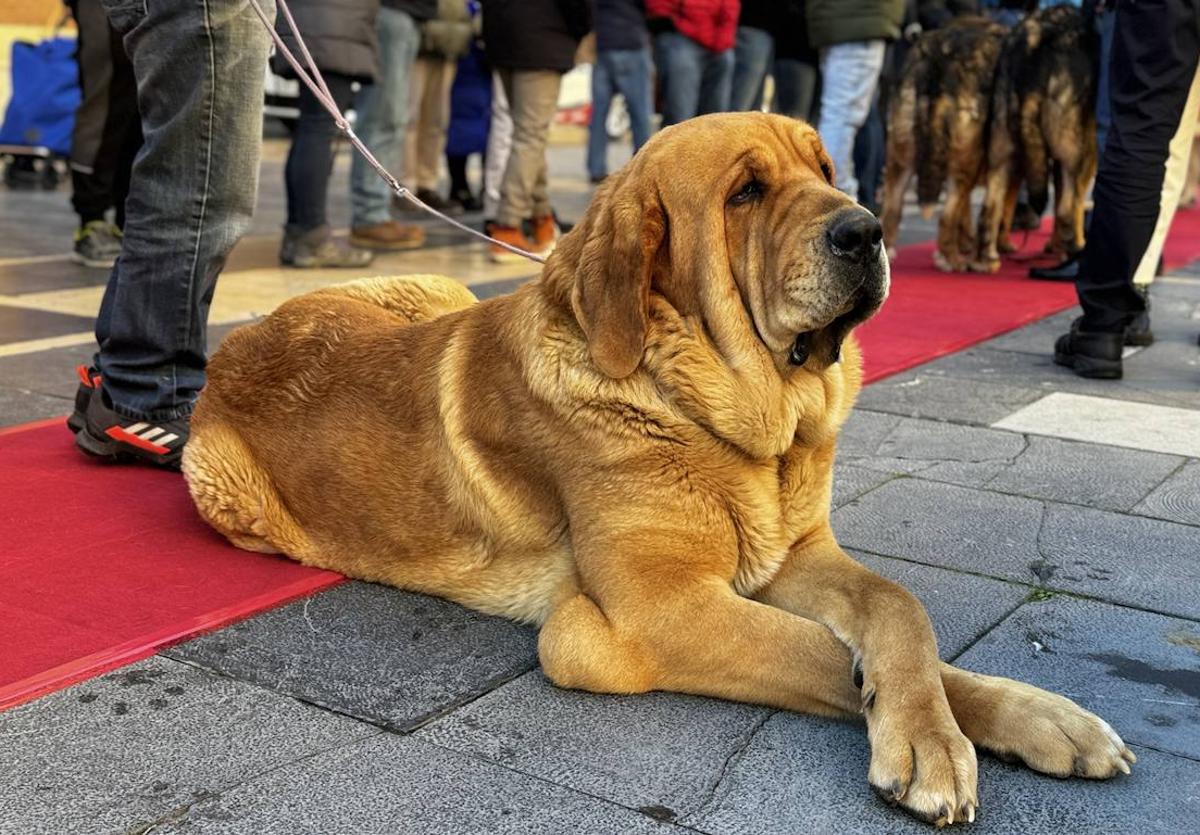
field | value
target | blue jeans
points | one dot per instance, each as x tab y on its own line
795	88
695	80
199	67
751	60
383	117
624	71
850	73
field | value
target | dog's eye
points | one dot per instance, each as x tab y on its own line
828	172
751	191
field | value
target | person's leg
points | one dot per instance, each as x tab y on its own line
868	156
751	58
435	118
91	169
1104	26
795	87
383	117
602	89
1154	63
123	112
532	98
418	88
679	60
850	74
310	158
716	81
499	145
632	75
200	69
1174	174
456	167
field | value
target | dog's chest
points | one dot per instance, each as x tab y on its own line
779	504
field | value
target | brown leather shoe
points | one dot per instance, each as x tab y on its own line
388	235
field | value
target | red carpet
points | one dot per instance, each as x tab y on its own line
101	566
104	565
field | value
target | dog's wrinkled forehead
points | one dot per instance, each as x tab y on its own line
710	152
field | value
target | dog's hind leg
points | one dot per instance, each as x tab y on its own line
235	495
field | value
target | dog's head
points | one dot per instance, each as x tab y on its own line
733	218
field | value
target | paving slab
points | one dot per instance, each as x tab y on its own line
132	745
1139	671
850	482
391	784
940	397
1177	498
658	750
1126	559
370	651
804	774
20	406
944	525
1066	547
864	431
961	606
980	379
1108	421
1081	473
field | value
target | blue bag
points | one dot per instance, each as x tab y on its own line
45	94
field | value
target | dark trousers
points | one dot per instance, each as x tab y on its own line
1156	46
108	130
310	159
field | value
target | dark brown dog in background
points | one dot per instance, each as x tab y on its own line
937	130
1043	127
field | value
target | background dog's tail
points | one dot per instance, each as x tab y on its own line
1033	149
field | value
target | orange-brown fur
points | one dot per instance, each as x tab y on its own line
621	453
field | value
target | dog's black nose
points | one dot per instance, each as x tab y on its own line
855	234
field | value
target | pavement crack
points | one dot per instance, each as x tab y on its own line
734	757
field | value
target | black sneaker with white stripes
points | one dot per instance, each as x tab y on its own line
89	380
108	435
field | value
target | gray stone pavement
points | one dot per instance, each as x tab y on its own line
1069	564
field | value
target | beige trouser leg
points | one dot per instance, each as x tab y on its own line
532	100
429	116
1172	187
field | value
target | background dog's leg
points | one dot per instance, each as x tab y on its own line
919	757
994	214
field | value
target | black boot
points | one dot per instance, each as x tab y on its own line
1066	270
1096	355
1138	332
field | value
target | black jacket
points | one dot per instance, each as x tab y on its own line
340	34
419	10
620	24
534	34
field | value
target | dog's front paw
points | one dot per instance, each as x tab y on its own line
1052	734
922	762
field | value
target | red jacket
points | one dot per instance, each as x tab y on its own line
710	23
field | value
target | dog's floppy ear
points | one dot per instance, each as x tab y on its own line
623	231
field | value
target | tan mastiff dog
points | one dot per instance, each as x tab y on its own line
633	452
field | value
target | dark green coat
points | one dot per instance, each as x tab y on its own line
833	22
